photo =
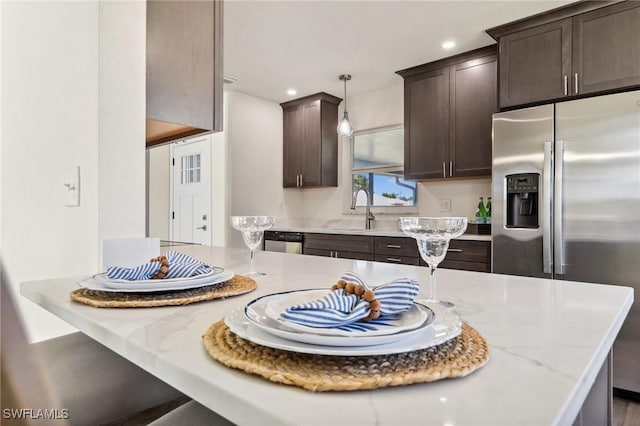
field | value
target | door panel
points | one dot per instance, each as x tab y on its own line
601	187
534	62
601	220
292	164
473	101
427	125
311	145
605	47
518	147
191	191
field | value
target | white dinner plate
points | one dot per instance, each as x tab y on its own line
446	326
274	304
104	279
157	285
278	328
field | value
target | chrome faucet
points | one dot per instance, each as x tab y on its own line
368	215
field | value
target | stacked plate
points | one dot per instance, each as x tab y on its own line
422	326
102	283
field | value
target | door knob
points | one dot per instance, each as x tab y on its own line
203	227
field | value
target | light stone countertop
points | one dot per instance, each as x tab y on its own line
371	232
547	338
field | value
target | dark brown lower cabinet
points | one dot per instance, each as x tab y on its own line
402	260
339	254
359	247
469	255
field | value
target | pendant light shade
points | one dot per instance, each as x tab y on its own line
344	126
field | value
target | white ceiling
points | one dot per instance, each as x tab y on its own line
271	46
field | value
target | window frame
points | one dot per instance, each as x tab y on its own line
349	172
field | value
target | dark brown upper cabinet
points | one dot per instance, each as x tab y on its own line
580	49
184	69
448	106
310	141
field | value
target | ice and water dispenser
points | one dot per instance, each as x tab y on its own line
522	200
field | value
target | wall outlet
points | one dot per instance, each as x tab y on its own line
444	205
72	187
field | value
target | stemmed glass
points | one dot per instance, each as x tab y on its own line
432	235
252	228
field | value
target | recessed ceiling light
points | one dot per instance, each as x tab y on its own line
291	92
449	44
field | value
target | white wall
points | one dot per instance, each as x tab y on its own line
254	138
122	111
71	104
221	182
158	182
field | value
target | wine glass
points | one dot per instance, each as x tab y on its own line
252	228
432	235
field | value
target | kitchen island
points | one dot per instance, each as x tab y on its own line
548	342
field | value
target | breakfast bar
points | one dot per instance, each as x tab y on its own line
548	343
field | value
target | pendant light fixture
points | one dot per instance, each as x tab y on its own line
344	126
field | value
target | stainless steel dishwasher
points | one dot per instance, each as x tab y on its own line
283	242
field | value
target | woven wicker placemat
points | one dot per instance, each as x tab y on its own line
455	358
106	299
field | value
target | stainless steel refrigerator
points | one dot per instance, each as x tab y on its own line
566	202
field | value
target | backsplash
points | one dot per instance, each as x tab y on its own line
326	207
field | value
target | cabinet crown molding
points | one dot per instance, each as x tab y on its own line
320	96
451	60
552	15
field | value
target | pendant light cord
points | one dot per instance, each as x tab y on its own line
345	94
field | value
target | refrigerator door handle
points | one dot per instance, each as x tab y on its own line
558	260
547	259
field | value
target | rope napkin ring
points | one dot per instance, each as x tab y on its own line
173	265
352	301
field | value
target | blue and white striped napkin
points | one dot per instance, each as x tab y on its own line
340	309
180	266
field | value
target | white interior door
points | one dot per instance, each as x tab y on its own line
191	191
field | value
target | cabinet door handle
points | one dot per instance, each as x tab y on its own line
394	259
450	168
566	85
394	246
454	250
444	172
575	82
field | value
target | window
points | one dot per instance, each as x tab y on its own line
378	166
190	169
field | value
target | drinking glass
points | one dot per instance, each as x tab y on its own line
432	235
252	228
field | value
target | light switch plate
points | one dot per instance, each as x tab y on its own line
72	187
444	205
